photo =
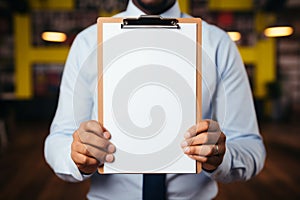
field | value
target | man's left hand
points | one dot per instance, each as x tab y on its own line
205	142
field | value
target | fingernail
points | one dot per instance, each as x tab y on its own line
111	148
109	158
187	134
184	144
106	135
186	149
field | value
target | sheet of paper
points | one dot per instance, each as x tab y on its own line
149	97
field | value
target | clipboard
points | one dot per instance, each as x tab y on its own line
130	26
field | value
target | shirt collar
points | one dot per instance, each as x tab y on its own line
133	11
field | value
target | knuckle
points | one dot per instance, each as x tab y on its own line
101	143
85	150
205	137
76	145
84	160
76	135
207	151
106	144
193	129
73	145
76	158
203	150
190	141
192	150
89	124
205	125
86	137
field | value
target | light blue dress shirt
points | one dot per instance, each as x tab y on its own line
226	98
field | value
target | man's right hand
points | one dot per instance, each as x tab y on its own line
91	147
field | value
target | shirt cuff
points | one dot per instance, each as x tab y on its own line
58	156
86	176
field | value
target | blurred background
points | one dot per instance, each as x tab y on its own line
35	36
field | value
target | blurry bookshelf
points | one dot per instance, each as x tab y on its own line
106	5
7	80
68	22
289	69
46	80
243	22
7	71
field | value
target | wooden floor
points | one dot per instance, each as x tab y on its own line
25	175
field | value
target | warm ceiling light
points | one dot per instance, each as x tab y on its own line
235	36
278	31
54	36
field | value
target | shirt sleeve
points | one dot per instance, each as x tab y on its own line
57	147
233	108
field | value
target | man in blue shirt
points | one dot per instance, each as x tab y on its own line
229	145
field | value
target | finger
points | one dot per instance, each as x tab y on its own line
201	159
90	151
83	160
213	125
99	154
202	138
205	150
196	129
106	135
96	141
191	132
78	147
196	140
91	126
87	138
202	126
199	150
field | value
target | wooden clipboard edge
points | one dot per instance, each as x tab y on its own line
198	21
100	22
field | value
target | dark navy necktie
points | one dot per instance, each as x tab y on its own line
154	187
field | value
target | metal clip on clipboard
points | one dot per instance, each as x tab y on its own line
150	21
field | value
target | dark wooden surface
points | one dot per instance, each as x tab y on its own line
25	175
